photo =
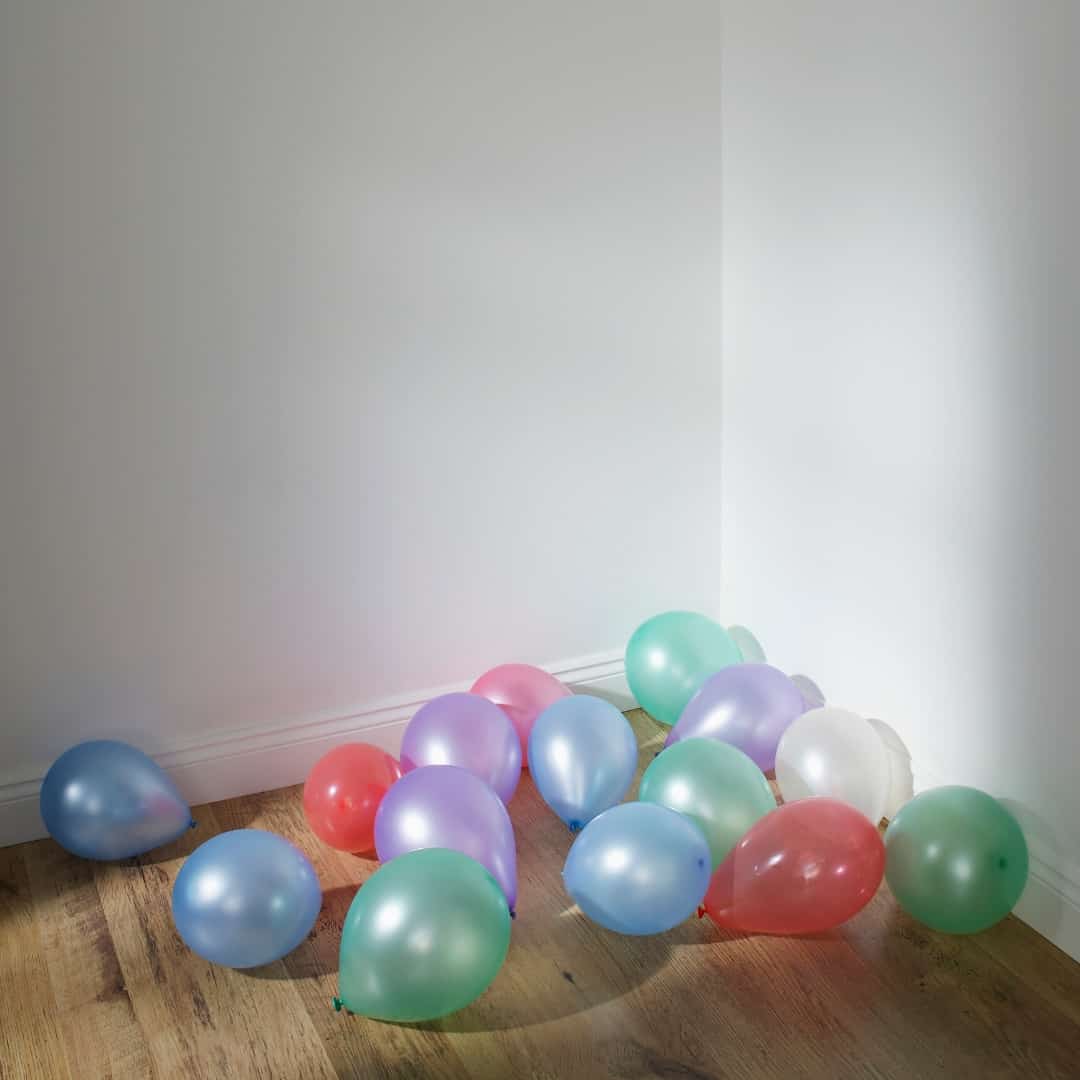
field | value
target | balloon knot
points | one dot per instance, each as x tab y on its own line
575	826
194	824
337	1003
701	912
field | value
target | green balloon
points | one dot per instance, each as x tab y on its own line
956	859
715	785
671	655
425	935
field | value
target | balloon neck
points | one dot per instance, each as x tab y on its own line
513	914
701	912
575	826
337	1003
194	824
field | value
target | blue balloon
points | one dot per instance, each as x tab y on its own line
638	868
582	756
245	898
106	800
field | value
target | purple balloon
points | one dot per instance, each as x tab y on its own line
444	806
747	705
469	731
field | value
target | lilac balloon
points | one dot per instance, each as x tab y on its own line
444	806
747	705
469	731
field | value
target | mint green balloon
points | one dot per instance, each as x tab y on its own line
715	785
671	655
956	859
426	934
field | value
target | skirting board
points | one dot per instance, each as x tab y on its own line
225	765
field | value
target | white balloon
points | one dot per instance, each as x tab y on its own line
902	787
811	692
747	644
836	753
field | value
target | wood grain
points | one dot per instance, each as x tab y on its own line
97	983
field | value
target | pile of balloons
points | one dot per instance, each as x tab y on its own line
429	930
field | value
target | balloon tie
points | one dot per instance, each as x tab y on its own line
513	914
575	826
701	912
194	824
337	1003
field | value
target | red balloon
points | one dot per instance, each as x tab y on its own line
343	791
805	867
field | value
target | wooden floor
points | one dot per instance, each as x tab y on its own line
96	983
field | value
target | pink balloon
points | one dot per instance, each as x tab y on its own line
523	692
469	731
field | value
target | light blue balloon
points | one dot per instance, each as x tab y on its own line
245	898
638	868
582	756
106	800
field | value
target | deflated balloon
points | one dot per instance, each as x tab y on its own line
715	784
747	705
444	806
425	935
245	898
957	859
638	868
669	656
106	800
805	867
582	757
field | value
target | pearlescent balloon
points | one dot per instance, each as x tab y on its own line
523	692
747	705
749	647
444	806
106	800
669	656
956	859
245	898
582	757
638	868
469	731
426	934
715	785
836	753
812	694
901	776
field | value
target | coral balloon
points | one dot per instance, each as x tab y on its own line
748	705
343	792
469	731
669	656
715	784
836	753
808	866
523	692
444	806
582	755
425	935
957	859
107	800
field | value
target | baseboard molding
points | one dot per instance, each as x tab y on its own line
1050	903
242	762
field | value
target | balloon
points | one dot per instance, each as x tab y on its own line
812	696
466	730
344	790
444	806
670	656
957	859
523	692
245	898
582	756
749	647
806	867
106	800
638	868
748	705
901	778
425	935
836	753
715	784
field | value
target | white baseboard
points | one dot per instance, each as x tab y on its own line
222	766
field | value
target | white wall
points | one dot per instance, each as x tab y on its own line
901	287
348	350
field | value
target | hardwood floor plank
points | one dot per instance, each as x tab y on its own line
31	1040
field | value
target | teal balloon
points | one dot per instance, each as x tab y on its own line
956	859
671	655
715	785
426	934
